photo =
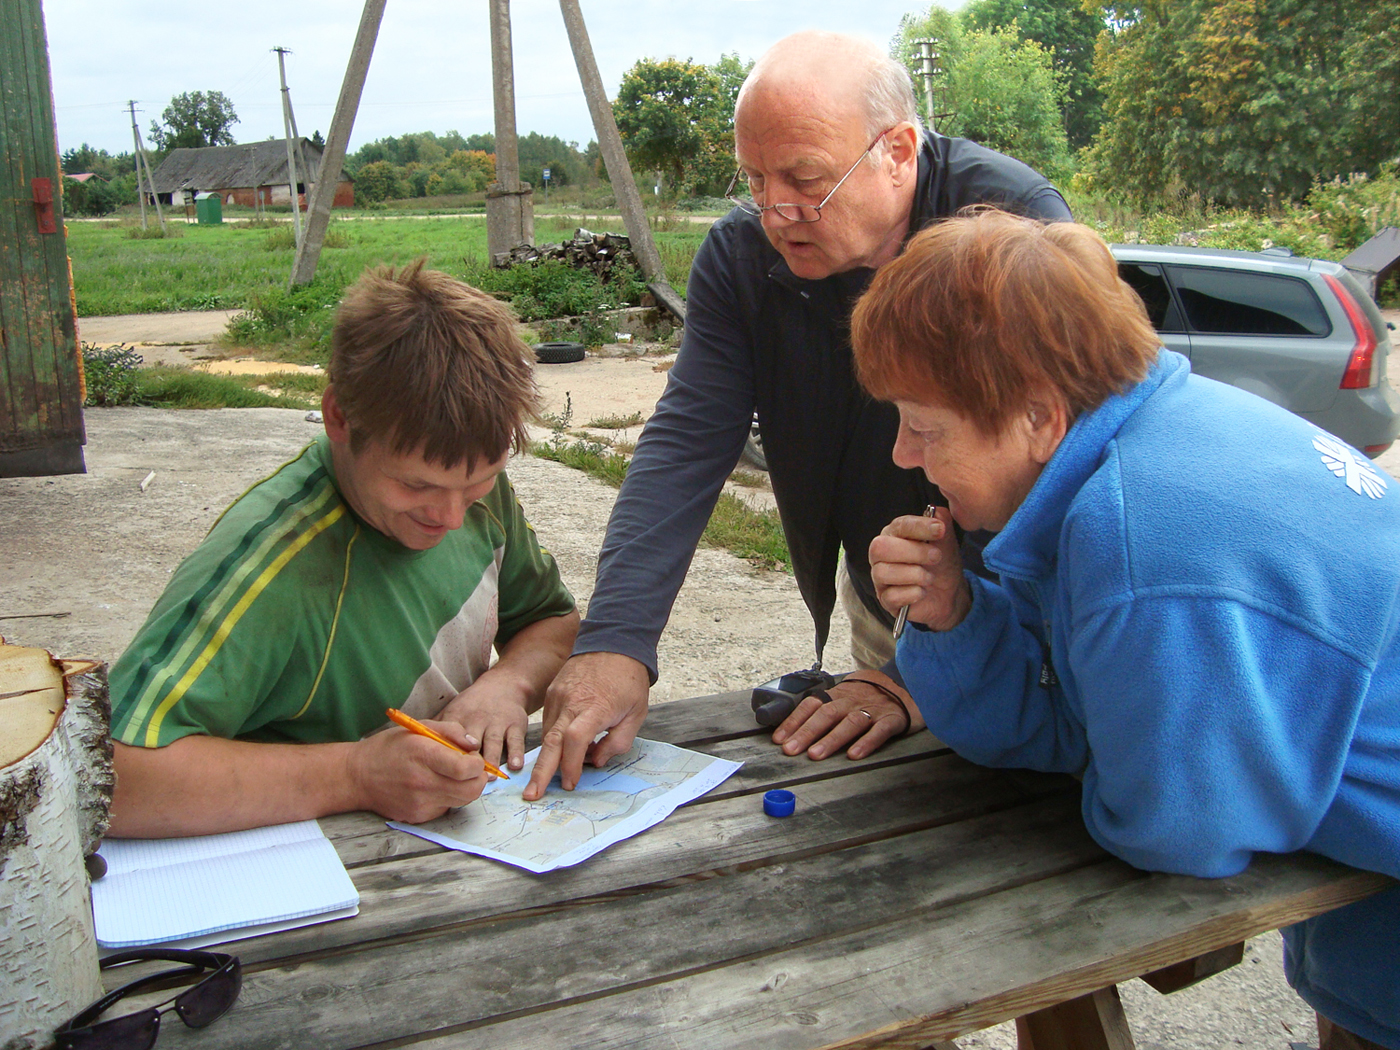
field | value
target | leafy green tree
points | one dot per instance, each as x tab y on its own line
418	178
732	72
1243	101
1008	97
1068	32
473	166
375	182
536	152
91	197
194	119
1371	61
118	171
667	111
996	88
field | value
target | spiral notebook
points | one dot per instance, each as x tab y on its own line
205	889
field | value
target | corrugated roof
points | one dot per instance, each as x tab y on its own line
234	167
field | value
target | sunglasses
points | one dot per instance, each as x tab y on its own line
197	1006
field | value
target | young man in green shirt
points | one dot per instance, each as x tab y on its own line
377	569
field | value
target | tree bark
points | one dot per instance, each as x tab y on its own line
55	793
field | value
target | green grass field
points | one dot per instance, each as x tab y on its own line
227	267
223	267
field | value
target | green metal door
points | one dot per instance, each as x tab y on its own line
41	400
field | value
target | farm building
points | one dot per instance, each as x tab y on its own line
250	174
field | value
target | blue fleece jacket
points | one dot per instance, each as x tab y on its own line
1216	585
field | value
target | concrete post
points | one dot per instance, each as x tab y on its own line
318	207
629	201
510	212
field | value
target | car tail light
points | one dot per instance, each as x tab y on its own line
1361	365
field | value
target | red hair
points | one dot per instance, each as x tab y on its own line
984	311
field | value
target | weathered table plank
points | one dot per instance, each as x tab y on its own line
939	973
446	887
913	898
512	964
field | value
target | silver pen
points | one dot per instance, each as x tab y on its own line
903	616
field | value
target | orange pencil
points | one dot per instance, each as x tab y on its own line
414	726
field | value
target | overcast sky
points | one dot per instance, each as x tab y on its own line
431	69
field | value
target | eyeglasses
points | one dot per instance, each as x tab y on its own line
793	212
197	1006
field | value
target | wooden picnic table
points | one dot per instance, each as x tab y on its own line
912	897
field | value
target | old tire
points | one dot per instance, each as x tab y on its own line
558	353
753	448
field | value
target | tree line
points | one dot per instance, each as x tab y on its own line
425	164
1238	102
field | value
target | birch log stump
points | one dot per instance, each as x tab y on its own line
55	791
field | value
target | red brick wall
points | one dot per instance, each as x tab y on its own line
344	195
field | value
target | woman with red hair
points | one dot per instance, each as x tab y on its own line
1198	605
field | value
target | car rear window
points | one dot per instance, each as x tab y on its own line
1146	279
1228	302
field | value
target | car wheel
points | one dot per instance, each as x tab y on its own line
753	448
558	353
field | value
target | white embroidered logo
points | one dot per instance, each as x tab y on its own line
1342	460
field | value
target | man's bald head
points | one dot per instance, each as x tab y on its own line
818	112
836	73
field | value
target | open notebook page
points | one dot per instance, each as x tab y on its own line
210	888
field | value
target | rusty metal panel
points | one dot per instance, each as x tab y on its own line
41	415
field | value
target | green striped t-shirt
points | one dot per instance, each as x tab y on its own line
295	621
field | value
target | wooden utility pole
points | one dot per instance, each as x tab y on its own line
318	206
510	212
289	128
619	171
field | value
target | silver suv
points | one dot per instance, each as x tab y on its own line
1298	332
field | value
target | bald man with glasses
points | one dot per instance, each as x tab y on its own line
834	175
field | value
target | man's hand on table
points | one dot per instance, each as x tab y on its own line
593	693
857	712
498	719
495	708
404	776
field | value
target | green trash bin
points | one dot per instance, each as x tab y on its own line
208	209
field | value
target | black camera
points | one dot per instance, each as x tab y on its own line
774	701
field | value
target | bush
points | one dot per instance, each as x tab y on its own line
302	316
90	198
1354	209
109	373
555	289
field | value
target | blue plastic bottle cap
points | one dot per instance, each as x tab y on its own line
779	803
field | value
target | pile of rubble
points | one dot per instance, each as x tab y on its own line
599	252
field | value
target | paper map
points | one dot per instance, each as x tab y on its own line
632	793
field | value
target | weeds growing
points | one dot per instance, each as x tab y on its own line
615	422
734	526
110	374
